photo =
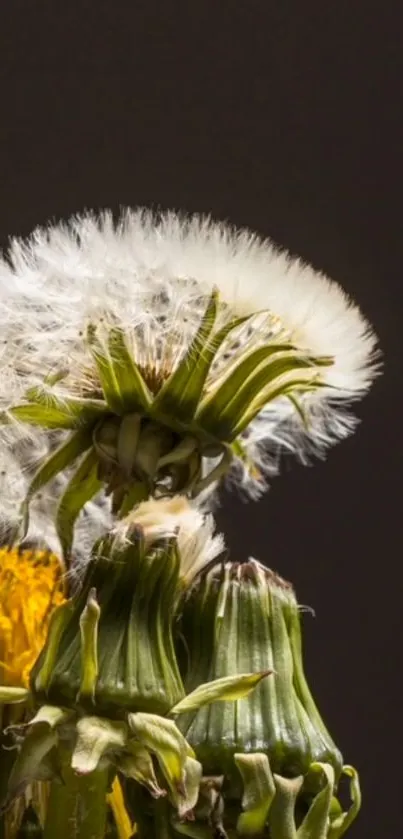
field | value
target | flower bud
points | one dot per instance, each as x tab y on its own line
110	648
271	751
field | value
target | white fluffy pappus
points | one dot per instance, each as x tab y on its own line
153	275
163	518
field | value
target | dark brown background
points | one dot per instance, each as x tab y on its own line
285	117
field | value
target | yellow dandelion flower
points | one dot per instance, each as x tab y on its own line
31	586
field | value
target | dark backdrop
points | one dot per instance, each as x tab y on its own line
285	117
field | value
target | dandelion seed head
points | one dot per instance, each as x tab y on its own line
152	276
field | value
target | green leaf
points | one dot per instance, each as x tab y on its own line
259	791
229	688
81	488
63	457
10	695
181	393
133	390
106	372
220	413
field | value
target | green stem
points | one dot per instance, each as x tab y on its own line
77	808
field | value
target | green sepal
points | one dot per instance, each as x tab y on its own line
180	453
61	459
133	391
84	410
39	740
127	442
161	737
282	811
342	822
228	688
292	387
40	415
89	646
136	763
81	488
199	484
51	715
186	799
316	822
259	791
181	392
131	496
222	410
106	371
95	736
41	677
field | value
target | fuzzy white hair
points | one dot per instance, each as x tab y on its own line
152	275
197	543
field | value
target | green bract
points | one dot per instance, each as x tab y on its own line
137	433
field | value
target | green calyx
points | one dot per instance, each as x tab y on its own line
135	434
244	614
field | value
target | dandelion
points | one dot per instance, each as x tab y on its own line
170	352
108	682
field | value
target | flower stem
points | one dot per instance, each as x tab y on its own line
77	807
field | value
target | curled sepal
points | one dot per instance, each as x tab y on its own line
229	688
137	763
316	821
10	695
39	741
339	825
96	737
52	716
89	646
259	791
187	799
282	811
161	737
